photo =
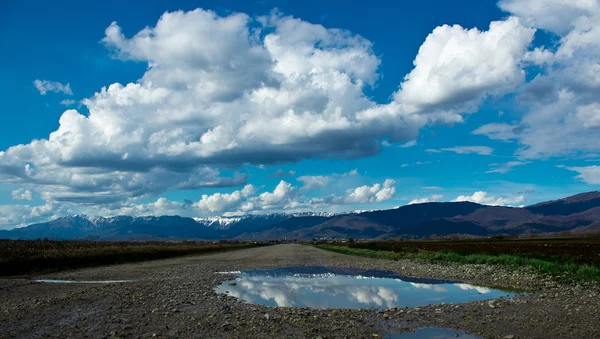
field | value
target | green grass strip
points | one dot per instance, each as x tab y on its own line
564	270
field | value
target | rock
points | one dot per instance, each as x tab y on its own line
267	316
509	336
232	283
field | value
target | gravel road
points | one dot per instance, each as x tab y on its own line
174	298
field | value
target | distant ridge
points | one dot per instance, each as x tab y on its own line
579	213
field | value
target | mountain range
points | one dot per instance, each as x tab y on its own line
577	214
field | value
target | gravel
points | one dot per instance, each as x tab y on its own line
175	298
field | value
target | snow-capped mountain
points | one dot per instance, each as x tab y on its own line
580	213
81	226
222	223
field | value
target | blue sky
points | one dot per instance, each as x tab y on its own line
235	107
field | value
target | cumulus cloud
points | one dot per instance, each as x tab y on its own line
222	92
588	174
456	68
219	202
481	150
231	90
227	97
248	200
433	198
375	193
482	197
287	196
21	194
22	215
45	86
558	16
562	100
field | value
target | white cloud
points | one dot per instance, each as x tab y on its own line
433	198
456	68
506	167
45	86
562	101
22	215
558	16
21	194
68	102
375	193
221	92
588	174
482	197
219	95
220	202
314	181
280	197
288	197
409	144
481	150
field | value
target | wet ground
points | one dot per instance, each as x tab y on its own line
176	298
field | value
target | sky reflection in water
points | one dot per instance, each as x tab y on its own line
320	287
432	333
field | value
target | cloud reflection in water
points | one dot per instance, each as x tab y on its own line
347	291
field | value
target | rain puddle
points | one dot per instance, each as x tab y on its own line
339	287
54	281
431	333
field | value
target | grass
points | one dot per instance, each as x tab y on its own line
561	269
25	257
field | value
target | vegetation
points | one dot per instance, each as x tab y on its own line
578	250
28	256
559	266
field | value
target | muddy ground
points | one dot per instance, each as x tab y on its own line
174	298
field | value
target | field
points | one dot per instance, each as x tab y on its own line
176	298
569	258
24	256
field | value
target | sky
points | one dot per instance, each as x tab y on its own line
227	108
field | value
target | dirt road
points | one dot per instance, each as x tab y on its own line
175	298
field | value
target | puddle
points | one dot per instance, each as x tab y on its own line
432	333
332	287
54	281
